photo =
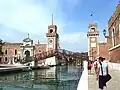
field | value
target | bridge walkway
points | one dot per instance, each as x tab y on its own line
113	84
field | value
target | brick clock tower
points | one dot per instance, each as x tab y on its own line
92	41
52	37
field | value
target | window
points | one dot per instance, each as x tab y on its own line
6	52
15	51
113	37
0	59
93	44
92	29
5	59
51	30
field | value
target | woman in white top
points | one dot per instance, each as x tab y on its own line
102	73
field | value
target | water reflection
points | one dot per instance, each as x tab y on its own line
55	78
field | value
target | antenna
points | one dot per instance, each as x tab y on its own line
28	35
52	19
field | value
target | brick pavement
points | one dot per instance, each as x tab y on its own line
113	84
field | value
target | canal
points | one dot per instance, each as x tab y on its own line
55	78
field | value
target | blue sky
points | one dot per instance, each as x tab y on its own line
19	17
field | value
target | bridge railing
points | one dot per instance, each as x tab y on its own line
44	55
60	54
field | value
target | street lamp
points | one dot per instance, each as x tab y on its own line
104	32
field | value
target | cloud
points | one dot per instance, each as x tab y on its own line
19	17
28	15
74	41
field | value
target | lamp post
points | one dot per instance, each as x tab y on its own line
104	32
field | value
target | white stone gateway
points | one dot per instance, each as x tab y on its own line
27	49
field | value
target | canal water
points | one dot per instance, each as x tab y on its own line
55	78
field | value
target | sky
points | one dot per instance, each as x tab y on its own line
72	17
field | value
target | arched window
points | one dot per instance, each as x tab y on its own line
5	59
113	37
27	53
51	30
6	52
15	51
0	59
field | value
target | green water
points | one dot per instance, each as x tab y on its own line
55	78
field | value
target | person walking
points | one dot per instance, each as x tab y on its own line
102	74
95	66
89	67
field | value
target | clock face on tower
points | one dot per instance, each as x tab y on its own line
50	41
92	39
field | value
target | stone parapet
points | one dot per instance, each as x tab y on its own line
114	66
83	82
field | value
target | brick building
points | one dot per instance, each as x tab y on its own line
18	50
110	49
103	50
92	41
114	35
96	48
1	52
11	50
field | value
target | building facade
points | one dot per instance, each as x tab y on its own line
27	48
114	35
104	50
110	49
95	48
92	41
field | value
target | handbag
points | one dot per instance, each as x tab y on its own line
107	77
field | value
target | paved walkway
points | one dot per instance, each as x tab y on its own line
113	84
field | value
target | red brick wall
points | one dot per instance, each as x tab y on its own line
40	48
115	55
10	47
103	50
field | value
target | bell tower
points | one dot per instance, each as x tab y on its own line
52	37
92	41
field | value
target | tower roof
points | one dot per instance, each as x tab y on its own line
27	39
92	25
52	23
